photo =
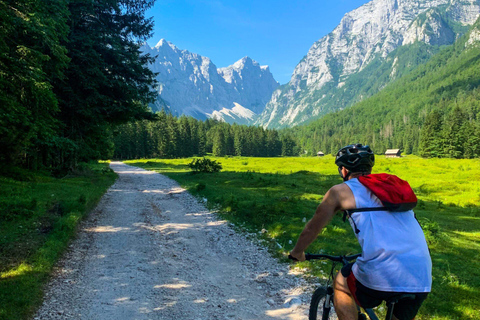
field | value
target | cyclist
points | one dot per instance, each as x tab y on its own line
395	258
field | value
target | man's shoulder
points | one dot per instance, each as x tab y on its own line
340	190
343	195
341	187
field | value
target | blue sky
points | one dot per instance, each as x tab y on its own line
275	33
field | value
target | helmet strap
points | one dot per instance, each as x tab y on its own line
345	178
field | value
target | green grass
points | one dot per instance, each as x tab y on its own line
38	218
278	194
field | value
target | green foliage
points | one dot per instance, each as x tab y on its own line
167	137
205	165
432	111
431	136
38	219
273	196
69	70
32	59
115	85
200	186
431	230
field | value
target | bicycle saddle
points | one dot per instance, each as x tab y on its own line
399	297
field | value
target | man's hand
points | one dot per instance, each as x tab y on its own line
299	256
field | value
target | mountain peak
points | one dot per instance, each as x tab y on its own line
244	62
191	84
164	43
372	32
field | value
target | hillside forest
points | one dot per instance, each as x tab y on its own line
433	111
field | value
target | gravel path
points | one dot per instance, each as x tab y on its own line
151	251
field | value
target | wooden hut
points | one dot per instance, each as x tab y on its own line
320	154
393	153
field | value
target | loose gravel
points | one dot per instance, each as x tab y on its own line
152	251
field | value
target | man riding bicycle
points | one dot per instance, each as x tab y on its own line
395	258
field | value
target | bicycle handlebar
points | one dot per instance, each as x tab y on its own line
310	256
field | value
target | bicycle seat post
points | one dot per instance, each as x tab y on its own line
390	306
392	301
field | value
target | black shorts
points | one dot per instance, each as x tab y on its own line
369	298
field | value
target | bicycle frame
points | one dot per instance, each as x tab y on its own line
344	260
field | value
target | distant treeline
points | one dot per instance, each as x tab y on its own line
171	137
69	72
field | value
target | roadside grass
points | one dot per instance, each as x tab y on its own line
38	217
279	194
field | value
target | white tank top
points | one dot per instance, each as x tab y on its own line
395	256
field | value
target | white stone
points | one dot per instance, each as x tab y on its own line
292	302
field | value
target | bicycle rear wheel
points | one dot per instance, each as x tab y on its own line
321	306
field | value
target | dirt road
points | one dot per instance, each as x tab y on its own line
152	251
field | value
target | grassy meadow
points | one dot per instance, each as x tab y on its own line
38	217
280	194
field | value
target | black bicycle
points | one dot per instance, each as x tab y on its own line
322	299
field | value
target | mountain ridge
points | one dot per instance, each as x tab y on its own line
445	89
191	84
369	33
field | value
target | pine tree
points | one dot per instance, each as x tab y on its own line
107	80
185	138
472	142
454	134
219	146
32	58
239	140
430	136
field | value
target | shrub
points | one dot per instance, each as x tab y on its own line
106	170
205	165
431	229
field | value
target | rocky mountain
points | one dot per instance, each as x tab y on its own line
372	46
192	85
431	111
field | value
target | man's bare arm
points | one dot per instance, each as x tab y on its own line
337	198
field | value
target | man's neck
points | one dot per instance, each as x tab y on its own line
356	175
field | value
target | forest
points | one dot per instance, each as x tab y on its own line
70	71
171	137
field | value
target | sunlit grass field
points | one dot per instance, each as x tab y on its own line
39	215
279	194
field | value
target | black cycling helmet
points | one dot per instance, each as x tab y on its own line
355	157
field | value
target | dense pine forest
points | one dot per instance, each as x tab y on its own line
69	72
167	136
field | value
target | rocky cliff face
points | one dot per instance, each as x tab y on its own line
371	33
192	85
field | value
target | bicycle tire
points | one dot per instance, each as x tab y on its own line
318	300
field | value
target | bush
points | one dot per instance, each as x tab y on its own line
431	229
205	165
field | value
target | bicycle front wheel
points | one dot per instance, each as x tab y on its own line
321	306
